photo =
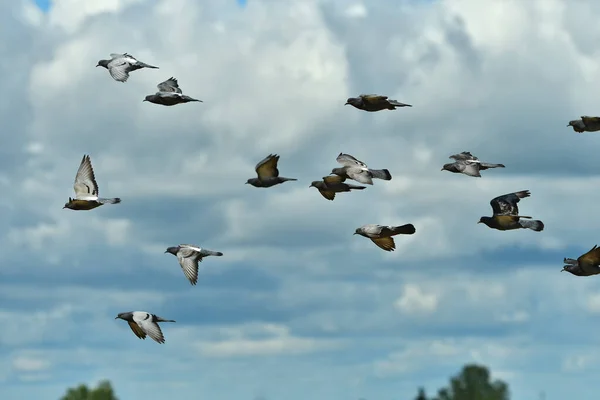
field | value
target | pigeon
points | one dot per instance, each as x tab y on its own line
189	256
143	323
585	124
268	174
120	65
506	214
169	94
586	265
86	189
374	102
466	163
381	235
332	184
358	171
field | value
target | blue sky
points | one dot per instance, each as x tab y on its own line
297	307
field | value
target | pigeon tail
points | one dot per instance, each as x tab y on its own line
159	319
144	65
190	99
534	225
287	179
213	253
381	174
116	200
396	103
356	187
407	229
488	165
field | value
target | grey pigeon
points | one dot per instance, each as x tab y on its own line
381	235
189	256
466	163
586	265
585	124
86	189
268	174
143	323
169	94
120	65
506	214
357	170
332	184
374	102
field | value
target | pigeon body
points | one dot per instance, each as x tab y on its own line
268	174
374	102
381	235
120	65
585	124
332	184
189	256
506	214
169	94
144	324
586	265
86	189
466	163
358	171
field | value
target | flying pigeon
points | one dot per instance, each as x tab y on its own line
358	171
585	124
143	323
332	184
189	256
506	214
381	235
169	94
374	102
86	189
268	174
120	65
586	265
466	163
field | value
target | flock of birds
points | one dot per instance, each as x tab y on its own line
505	215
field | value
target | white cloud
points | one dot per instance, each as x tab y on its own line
414	300
30	364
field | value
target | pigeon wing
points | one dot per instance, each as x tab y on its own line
471	169
385	243
170	85
350	161
465	155
85	182
267	167
139	332
152	329
373	99
590	120
333	179
507	204
327	194
188	260
592	257
118	70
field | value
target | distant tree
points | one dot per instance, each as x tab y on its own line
421	395
473	383
103	391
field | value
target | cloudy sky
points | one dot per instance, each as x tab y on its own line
297	307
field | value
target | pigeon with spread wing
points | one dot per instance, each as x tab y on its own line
585	124
358	171
86	189
189	256
374	102
332	184
381	235
468	164
268	174
144	324
169	94
120	65
506	214
586	265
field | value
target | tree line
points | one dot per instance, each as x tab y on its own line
473	382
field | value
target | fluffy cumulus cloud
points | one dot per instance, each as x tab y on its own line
297	307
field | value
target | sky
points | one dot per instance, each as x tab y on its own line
297	307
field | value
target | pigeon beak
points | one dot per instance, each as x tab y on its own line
346	103
442	169
478	222
166	251
116	317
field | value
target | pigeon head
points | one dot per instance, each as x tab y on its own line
69	204
338	171
353	101
486	220
148	98
358	231
316	184
173	250
127	316
450	167
573	269
103	63
252	181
